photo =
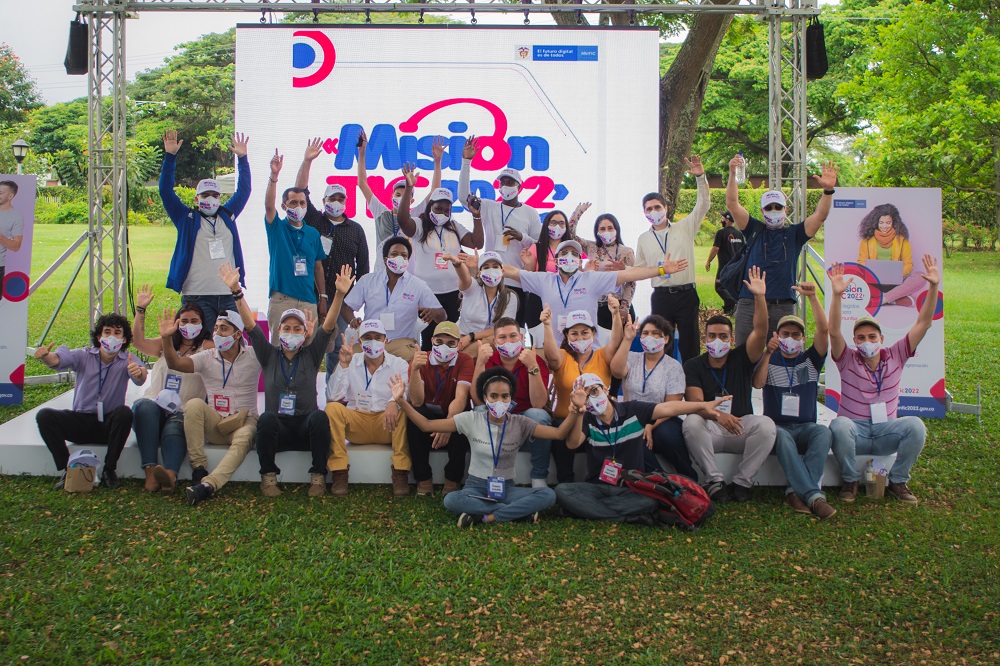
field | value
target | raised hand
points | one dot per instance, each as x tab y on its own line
168	323
170	142
694	166
485	353
772	344
578	397
240	142
472	203
472	260
313	149
735	163
398	387
613	304
362	142
757	284
345	279
135	370
470	148
44	350
419	361
838	281
828	179
670	266
629	329
807	289
578	212
931	272
229	276
528	358
276	163
437	149
546	315
410	174
528	259
346	353
310	324
144	297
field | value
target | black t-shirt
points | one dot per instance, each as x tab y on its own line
621	439
347	245
730	241
736	376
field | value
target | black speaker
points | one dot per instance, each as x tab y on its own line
816	62
76	49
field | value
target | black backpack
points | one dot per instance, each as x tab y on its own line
731	276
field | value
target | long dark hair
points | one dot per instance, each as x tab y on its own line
572	352
614	222
177	339
429	226
542	248
656	321
869	223
503	298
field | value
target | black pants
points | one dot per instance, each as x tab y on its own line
681	309
305	432
58	425
564	457
668	441
420	449
452	304
728	304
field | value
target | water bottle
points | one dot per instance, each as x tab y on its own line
870	482
741	170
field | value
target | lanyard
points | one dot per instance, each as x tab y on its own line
790	374
291	375
607	433
496	450
663	245
504	218
225	375
395	225
647	375
722	384
559	284
490	306
440	235
618	251
368	377
101	378
877	378
440	382
211	220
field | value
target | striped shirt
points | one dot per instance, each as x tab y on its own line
799	376
621	439
859	385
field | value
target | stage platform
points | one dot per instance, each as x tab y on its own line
22	451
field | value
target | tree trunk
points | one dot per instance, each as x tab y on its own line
565	18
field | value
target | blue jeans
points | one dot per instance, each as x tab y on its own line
802	449
155	428
518	502
668	441
211	306
541	449
332	357
904	436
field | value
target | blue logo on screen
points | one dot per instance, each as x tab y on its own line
565	53
850	203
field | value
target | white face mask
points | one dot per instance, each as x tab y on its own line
291	341
295	214
499	408
870	349
396	201
652	344
511	349
444	353
209	206
508	192
791	346
774	218
568	263
397	264
717	348
223	342
556	231
190	331
596	404
607	237
582	346
491	276
335	208
440	219
656	217
373	348
111	344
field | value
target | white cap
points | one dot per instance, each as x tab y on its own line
490	255
334	189
589	379
401	183
293	312
233	318
570	243
772	196
208	185
169	400
83	458
442	194
371	326
512	173
579	317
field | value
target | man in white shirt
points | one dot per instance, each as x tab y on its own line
371	415
675	297
11	226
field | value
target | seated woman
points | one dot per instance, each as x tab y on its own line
158	417
495	437
884	237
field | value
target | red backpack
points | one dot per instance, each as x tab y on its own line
683	503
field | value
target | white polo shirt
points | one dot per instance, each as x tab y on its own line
478	314
581	292
398	309
677	239
365	392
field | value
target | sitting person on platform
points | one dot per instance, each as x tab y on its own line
230	372
489	494
871	374
158	418
292	420
612	435
440	382
791	384
396	298
721	371
371	415
99	414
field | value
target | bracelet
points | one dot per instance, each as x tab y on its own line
140	311
662	272
830	192
273	180
323	296
472	337
238	296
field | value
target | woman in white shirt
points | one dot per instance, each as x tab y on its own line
609	253
435	235
653	375
485	298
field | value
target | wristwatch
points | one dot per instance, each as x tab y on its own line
534	371
829	192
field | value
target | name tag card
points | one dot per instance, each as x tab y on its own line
440	263
561	322
216	250
388	320
611	472
300	267
725	407
221	403
286	404
879	412
789	404
496	488
364	401
100	411
173	383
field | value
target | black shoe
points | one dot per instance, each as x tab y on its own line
199	492
740	493
61	483
109	479
198	474
717	492
468	519
534	518
646	519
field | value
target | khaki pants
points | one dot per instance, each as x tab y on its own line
201	425
404	348
279	303
364	428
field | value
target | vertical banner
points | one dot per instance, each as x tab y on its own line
17	219
881	235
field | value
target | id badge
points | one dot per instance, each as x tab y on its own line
364	401
496	488
724	407
440	263
216	250
173	383
100	411
286	404
300	267
789	404
879	412
327	243
611	472
561	321
220	403
388	321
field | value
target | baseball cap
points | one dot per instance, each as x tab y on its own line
869	321
772	196
208	185
293	312
490	255
334	189
579	317
169	400
570	243
511	173
83	458
448	328
589	379
233	318
371	326
441	194
726	214
400	184
791	319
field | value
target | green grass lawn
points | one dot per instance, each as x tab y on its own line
120	577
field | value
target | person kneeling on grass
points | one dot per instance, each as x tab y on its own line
99	414
494	437
292	421
613	435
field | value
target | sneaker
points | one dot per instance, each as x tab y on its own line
109	479
905	301
198	493
469	519
901	492
198	475
534	518
822	508
848	491
450	487
166	478
425	487
740	493
339	486
61	483
269	485
793	500
717	492
400	482
645	519
317	485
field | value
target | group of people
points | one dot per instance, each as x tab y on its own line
442	360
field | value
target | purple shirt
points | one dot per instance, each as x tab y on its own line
90	371
859	385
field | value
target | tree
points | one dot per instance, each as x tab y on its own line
18	92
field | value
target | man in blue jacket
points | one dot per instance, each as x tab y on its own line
207	236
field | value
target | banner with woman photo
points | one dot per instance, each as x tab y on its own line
880	234
17	217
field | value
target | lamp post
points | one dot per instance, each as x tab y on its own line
20	148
